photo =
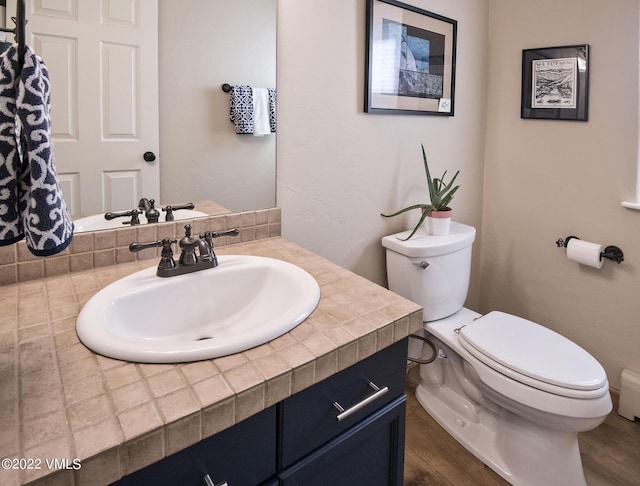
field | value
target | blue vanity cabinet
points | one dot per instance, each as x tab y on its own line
348	429
244	454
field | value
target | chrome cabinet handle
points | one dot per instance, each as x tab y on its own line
377	393
209	482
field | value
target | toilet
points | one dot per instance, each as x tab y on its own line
511	391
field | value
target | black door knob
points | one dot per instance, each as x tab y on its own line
149	156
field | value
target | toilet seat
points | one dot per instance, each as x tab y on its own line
534	355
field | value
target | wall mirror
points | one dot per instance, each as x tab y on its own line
97	52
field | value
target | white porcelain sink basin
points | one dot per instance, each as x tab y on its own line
243	302
97	221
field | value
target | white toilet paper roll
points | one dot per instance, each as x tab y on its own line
584	252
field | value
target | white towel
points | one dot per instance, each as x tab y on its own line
261	122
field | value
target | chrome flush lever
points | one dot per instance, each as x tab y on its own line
423	264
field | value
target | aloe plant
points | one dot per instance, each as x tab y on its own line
440	195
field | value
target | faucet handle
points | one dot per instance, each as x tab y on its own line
133	214
218	234
208	236
165	243
170	209
134	218
166	257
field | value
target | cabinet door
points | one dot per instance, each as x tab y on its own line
369	453
243	455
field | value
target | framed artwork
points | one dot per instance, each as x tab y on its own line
410	60
555	83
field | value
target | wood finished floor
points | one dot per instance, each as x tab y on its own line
610	453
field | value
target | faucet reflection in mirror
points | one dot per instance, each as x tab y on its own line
151	214
189	261
148	206
170	213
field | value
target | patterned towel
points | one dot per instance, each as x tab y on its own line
241	109
272	109
31	203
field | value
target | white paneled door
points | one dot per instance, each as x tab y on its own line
102	57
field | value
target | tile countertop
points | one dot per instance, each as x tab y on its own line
103	418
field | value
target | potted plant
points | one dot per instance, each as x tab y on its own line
438	212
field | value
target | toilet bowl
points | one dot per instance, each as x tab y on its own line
513	392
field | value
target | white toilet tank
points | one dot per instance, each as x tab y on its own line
432	271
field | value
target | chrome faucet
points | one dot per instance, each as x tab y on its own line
196	252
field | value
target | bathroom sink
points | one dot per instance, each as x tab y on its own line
243	302
97	221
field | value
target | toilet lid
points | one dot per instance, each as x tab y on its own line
422	245
532	350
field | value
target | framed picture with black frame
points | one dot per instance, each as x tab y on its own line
555	83
410	60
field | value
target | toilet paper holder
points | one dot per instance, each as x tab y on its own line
611	252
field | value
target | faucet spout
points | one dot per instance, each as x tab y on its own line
144	204
148	207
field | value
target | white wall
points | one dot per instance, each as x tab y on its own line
339	167
537	180
204	44
546	180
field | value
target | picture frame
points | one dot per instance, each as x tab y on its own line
555	83
410	60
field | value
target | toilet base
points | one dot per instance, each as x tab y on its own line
475	437
521	452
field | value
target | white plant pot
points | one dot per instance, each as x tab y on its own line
438	223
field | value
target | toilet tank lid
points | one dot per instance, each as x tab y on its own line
424	245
